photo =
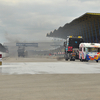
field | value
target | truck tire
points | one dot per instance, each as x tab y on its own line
96	60
86	60
70	59
81	59
66	59
73	59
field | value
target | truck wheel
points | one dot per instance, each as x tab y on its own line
81	59
96	60
86	60
73	59
66	59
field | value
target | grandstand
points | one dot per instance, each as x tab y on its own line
87	26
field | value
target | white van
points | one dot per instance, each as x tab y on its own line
89	51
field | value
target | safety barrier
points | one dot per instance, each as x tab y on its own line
4	54
0	59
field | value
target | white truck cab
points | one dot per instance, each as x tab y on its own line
89	51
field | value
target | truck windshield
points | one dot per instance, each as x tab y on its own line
74	42
93	49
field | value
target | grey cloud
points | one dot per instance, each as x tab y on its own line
37	19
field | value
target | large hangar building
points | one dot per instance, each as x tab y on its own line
87	26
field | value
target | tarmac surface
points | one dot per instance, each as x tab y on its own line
51	79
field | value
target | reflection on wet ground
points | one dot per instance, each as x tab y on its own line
50	68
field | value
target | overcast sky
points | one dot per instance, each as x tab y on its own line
31	20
